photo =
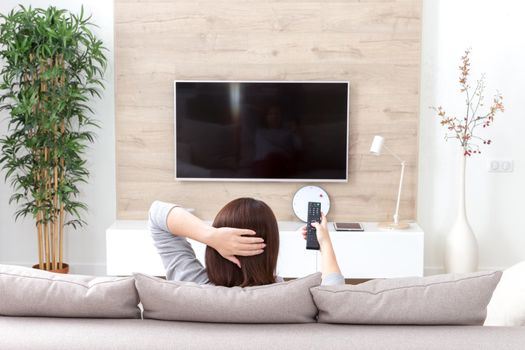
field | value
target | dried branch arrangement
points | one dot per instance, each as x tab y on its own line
465	128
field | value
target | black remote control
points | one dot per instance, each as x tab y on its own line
314	215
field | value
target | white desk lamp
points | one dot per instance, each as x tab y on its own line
375	149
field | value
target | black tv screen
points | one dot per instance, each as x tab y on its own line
261	131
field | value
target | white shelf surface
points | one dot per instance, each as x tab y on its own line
374	253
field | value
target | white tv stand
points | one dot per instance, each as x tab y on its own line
374	253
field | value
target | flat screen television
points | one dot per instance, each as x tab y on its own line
261	130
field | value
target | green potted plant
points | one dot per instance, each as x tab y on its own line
52	65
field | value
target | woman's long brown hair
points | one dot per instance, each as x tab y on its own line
256	270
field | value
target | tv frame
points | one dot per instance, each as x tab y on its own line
188	179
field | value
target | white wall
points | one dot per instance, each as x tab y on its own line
85	248
495	201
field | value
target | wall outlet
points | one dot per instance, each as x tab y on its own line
501	166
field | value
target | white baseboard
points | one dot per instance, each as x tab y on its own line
88	269
433	270
97	269
436	270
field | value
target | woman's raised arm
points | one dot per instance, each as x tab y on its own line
229	242
329	266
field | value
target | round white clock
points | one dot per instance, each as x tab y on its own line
309	194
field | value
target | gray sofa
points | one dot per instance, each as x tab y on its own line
18	333
41	310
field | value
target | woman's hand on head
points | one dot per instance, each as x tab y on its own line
229	242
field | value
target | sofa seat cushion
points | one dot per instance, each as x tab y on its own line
30	333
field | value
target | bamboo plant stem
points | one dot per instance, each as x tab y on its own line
56	231
55	215
39	223
39	220
46	240
61	213
40	243
52	240
59	169
46	218
61	233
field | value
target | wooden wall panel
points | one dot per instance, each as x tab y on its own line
373	44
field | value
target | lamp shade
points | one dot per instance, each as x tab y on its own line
377	145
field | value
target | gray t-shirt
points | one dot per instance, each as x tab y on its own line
178	256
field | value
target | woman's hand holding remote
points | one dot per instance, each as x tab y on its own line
328	259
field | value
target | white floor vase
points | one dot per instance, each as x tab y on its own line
461	251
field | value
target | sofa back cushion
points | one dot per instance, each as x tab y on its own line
30	292
442	299
285	302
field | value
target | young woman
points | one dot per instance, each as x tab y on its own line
242	244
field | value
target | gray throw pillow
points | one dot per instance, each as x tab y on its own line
30	292
460	299
285	302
